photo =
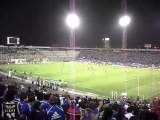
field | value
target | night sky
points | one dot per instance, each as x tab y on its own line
42	22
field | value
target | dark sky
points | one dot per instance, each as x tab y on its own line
42	22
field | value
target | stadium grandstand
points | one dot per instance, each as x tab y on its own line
140	57
70	100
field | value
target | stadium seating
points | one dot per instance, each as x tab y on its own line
75	106
143	58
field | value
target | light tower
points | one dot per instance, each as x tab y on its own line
72	20
124	22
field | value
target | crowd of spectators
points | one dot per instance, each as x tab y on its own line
35	55
6	54
142	58
33	104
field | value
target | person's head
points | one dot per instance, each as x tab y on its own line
108	113
92	105
82	105
10	94
22	96
29	88
2	89
133	118
136	111
129	109
11	87
46	97
147	115
54	101
114	107
73	104
151	116
31	98
39	96
36	106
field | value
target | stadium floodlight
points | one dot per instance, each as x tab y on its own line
124	21
72	20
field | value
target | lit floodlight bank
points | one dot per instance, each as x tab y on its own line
72	20
124	21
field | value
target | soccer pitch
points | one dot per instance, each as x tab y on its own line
95	78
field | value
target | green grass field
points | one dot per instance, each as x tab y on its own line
98	79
